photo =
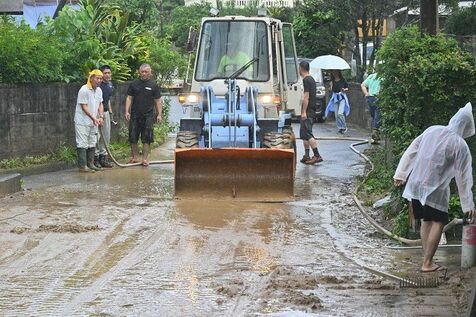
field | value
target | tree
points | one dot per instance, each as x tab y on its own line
153	14
102	33
319	28
462	22
182	18
366	16
99	33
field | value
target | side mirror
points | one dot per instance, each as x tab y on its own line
192	40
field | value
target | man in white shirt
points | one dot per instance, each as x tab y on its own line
427	167
87	118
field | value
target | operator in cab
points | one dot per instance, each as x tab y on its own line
233	60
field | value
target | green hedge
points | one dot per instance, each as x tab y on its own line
426	79
27	55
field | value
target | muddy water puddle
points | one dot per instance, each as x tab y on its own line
154	255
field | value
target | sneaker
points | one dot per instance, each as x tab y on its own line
304	159
314	160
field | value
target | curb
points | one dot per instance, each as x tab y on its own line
9	184
38	169
10	179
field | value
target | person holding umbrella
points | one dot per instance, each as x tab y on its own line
339	103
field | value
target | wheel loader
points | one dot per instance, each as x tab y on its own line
236	138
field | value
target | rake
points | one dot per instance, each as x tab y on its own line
413	280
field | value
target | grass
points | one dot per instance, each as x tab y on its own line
380	184
66	153
380	180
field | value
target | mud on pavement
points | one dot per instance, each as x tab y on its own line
117	244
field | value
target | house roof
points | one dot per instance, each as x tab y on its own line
442	9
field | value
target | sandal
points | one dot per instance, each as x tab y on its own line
132	161
145	163
436	269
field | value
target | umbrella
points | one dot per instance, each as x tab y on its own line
329	62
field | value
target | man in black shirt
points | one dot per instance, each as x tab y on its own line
106	87
308	113
143	94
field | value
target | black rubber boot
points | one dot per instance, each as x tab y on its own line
82	161
97	163
90	157
104	162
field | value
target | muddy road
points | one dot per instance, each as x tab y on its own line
116	243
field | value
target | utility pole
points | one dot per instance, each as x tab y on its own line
429	16
61	4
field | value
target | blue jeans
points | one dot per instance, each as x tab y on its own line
372	102
340	117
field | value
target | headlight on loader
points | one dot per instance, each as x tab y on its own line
268	99
189	99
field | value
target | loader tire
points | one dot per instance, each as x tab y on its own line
275	140
289	131
187	140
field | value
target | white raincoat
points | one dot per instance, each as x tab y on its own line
436	157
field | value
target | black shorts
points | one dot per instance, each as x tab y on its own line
428	213
305	132
141	126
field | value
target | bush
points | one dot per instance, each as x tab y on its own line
27	55
426	79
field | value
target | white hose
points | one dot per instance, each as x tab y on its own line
359	203
358	141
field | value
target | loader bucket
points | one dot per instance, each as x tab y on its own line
242	173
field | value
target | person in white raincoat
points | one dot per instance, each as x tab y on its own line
428	165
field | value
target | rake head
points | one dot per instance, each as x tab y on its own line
422	280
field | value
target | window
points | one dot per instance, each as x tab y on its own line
226	46
291	65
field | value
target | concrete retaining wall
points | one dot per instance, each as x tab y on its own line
9	183
36	119
359	113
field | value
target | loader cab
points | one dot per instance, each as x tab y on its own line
225	46
227	43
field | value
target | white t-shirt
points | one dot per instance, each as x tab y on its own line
93	99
